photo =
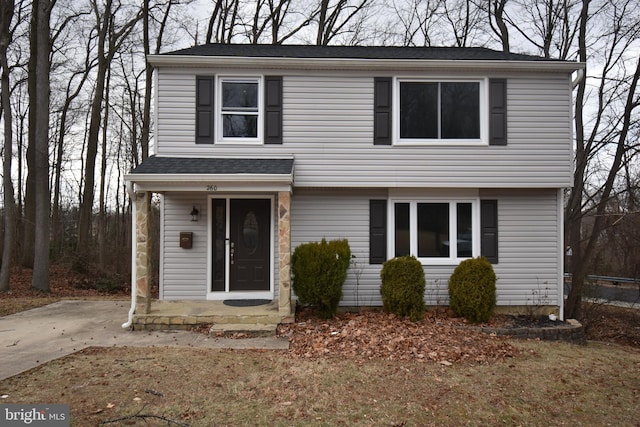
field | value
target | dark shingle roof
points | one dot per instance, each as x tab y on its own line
354	52
220	165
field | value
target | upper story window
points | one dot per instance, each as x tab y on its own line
440	111
239	112
238	109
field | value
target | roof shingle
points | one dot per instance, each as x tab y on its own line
216	165
354	52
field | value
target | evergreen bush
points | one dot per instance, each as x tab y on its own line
319	270
472	290
402	288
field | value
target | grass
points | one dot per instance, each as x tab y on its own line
549	384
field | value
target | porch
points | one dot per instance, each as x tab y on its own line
186	314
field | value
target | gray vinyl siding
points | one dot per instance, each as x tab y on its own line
183	274
318	214
328	127
528	228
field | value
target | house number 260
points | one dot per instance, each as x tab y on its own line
212	188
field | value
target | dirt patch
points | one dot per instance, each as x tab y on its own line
64	283
612	324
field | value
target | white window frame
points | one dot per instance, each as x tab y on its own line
453	259
483	106
219	123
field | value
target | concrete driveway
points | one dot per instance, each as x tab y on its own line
31	338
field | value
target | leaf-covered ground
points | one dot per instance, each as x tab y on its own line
366	335
373	334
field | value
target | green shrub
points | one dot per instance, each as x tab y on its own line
319	270
472	290
403	286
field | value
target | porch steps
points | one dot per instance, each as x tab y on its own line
185	315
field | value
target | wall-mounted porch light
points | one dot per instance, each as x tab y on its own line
194	214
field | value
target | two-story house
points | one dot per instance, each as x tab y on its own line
442	153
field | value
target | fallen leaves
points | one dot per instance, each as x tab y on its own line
373	334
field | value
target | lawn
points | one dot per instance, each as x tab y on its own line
546	384
433	373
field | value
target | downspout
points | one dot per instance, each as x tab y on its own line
134	253
579	76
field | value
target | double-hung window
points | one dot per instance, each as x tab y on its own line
239	112
436	231
440	111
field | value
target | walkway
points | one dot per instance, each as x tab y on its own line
31	338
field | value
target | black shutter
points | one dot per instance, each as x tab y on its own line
489	230
382	111
273	110
377	231
204	109
497	112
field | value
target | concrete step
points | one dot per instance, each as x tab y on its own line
248	328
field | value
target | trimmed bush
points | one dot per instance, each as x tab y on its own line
402	287
319	270
472	290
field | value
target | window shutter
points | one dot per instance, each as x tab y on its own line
382	111
497	112
377	231
489	230
273	110
204	109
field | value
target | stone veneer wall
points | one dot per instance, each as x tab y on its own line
143	292
284	252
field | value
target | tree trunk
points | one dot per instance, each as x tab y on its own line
6	14
86	205
40	280
29	219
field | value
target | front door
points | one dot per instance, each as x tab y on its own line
245	253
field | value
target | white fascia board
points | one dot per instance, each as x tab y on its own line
360	64
210	182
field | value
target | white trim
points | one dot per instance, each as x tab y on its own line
483	112
211	183
262	63
218	122
226	294
162	251
561	252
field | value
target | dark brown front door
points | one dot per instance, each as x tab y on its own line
249	244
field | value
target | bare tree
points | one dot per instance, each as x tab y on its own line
465	20
281	19
224	21
337	19
111	36
6	35
617	101
42	11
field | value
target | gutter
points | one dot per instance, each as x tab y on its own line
134	289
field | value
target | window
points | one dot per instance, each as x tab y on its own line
432	111
436	231
239	109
